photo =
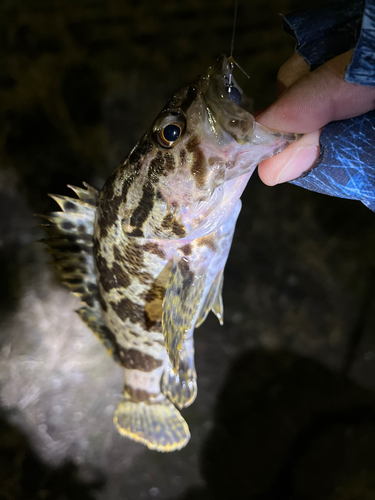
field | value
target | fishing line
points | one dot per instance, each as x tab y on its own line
234	28
231	60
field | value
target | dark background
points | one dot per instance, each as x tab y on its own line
286	388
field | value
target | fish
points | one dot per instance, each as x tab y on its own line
146	254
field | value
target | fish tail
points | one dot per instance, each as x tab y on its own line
154	422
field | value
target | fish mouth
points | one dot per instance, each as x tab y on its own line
226	102
223	67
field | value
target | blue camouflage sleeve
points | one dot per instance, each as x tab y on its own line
346	165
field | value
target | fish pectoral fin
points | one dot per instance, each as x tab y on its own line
158	425
213	302
184	291
181	387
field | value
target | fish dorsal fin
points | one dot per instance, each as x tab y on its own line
184	291
88	195
70	242
213	302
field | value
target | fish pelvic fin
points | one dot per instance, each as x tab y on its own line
181	387
183	294
155	423
213	302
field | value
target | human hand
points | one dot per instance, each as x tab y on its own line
307	101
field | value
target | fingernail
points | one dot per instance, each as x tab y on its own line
303	159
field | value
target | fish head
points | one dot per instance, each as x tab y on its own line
204	127
185	176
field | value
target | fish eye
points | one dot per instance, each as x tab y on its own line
169	129
169	134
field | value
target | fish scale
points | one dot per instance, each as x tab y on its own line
146	255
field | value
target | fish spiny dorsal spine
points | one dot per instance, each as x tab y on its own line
70	243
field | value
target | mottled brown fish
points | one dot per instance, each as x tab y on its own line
146	255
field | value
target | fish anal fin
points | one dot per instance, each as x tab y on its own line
213	302
184	290
181	387
158	424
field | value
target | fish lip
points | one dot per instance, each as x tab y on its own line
221	68
219	78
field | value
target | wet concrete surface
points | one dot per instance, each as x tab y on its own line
286	403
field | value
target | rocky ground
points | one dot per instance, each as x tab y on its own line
286	406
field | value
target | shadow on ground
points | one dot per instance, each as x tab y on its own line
286	427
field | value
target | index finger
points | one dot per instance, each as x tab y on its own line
317	98
293	69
